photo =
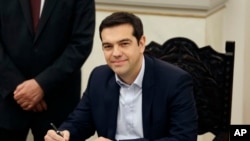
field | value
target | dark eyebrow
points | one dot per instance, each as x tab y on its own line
125	40
105	43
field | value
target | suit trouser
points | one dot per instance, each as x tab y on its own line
38	131
13	135
39	125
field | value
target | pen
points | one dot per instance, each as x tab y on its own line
54	127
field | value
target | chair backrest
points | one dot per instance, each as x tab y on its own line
212	74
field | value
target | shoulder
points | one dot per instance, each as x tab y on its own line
162	67
165	75
101	73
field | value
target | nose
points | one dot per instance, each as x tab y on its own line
117	51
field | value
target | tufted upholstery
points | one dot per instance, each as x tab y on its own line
212	74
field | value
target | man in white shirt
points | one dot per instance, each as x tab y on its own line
133	97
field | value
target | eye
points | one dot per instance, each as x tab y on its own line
125	44
107	46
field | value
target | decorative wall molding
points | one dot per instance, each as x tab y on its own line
196	8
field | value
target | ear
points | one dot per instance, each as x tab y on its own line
142	43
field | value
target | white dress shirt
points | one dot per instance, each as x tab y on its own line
129	119
41	7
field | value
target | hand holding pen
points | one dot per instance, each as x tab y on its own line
56	135
57	131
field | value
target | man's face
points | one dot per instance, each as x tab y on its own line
122	52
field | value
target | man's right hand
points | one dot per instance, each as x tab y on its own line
53	136
40	107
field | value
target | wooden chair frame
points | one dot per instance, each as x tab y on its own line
212	74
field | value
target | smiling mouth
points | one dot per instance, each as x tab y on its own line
118	62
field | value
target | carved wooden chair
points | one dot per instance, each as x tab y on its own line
212	74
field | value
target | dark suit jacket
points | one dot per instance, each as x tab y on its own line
53	56
168	107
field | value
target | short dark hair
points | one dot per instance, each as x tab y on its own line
119	18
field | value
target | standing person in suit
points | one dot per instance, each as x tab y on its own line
134	96
42	50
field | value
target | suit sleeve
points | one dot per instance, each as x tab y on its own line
77	50
80	122
10	76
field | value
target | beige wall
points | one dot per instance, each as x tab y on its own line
213	30
236	27
246	109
